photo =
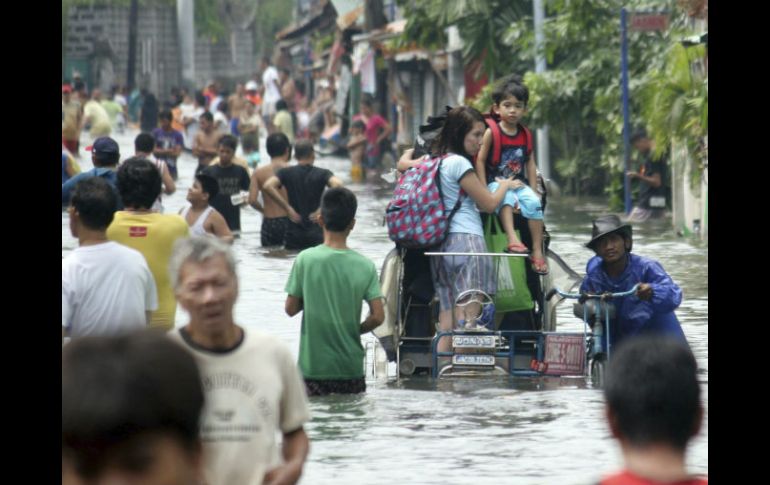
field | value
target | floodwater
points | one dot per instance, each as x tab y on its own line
480	430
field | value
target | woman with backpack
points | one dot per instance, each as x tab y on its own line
457	144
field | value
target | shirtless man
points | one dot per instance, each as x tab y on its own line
275	219
206	142
199	215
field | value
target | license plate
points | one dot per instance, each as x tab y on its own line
474	341
657	202
473	359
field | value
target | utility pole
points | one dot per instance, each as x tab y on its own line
626	122
185	11
543	155
132	21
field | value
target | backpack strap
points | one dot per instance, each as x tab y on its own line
496	140
460	195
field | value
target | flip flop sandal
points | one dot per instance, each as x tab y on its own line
539	266
517	248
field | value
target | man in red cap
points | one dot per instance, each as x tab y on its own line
105	155
72	116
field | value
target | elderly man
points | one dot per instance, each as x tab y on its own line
252	384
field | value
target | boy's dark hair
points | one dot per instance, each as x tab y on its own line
508	86
652	390
165	115
459	121
229	141
115	389
139	183
200	99
338	208
281	105
209	184
144	142
277	144
638	133
96	202
358	124
303	149
208	116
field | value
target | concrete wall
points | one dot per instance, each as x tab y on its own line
689	204
158	64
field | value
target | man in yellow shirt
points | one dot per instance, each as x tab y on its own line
150	233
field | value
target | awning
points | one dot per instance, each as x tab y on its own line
325	13
391	30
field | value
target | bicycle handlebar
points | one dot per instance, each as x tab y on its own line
591	295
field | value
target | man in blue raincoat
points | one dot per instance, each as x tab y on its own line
614	269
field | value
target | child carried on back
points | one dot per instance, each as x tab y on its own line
515	160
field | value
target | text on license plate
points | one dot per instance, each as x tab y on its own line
473	359
474	341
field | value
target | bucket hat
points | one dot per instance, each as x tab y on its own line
608	224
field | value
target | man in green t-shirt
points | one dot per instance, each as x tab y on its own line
328	283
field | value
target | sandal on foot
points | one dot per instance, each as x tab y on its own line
539	265
517	248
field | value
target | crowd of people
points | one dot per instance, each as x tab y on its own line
134	264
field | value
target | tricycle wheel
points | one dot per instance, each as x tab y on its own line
598	366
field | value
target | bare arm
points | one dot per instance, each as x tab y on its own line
168	182
386	131
486	201
254	193
481	158
406	161
355	141
653	180
293	305
295	449
271	188
219	227
376	316
334	182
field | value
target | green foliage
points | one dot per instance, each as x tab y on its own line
272	17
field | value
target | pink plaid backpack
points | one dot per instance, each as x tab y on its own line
416	215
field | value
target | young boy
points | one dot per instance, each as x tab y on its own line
168	142
356	149
516	160
199	215
653	409
275	219
328	283
232	180
377	131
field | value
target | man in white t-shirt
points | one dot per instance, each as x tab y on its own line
106	288
251	382
272	90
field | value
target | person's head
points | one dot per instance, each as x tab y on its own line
509	99
203	190
303	151
92	205
131	409
367	104
265	63
204	278
200	99
165	118
104	152
640	141
139	183
462	132
611	240
96	94
338	210
66	92
281	105
251	87
652	393
206	122
226	148
357	128
284	74
144	143
278	145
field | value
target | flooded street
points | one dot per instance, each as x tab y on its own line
484	431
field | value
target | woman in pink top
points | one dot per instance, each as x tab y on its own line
377	131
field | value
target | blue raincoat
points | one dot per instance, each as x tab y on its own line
635	316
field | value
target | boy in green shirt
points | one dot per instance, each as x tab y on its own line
328	283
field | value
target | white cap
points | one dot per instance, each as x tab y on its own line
251	86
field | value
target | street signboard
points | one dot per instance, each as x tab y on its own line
646	22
